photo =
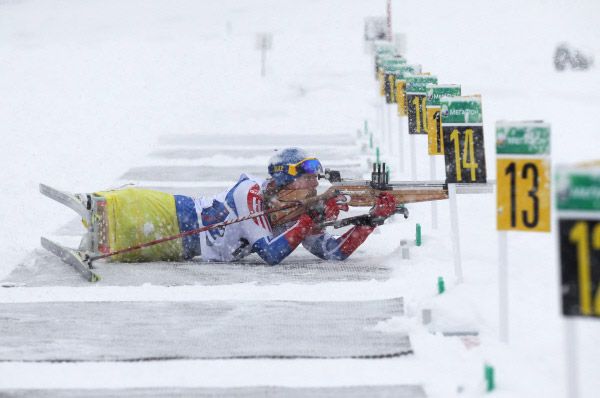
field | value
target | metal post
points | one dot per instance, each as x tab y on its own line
571	358
264	42
434	212
263	61
389	20
413	158
455	232
382	129
389	128
503	285
401	144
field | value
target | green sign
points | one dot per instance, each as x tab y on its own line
385	58
382	47
523	138
406	70
437	91
461	110
388	55
392	68
388	63
417	84
578	189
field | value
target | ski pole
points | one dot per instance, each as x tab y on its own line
90	259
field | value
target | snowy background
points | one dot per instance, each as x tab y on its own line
89	87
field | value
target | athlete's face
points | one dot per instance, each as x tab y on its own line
302	188
306	181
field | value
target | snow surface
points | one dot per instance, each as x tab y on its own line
88	88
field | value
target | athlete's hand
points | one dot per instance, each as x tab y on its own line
333	206
305	223
328	210
305	226
385	205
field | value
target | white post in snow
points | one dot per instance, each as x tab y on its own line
455	232
379	121
571	358
434	217
413	158
264	42
263	63
503	285
401	143
389	20
389	132
382	130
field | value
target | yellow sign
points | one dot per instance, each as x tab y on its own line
401	97
381	80
523	193
435	134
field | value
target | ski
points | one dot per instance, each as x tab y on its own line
67	199
72	257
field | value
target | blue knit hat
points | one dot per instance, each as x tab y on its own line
279	165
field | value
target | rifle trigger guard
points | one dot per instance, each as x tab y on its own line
344	200
402	210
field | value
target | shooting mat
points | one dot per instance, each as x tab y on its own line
142	331
395	391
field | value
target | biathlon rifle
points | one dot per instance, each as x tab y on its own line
364	193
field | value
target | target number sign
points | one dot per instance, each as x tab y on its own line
462	128
416	101
578	198
434	120
523	176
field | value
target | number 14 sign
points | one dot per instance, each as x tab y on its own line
462	127
523	176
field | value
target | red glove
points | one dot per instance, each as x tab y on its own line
305	224
385	205
296	234
332	207
329	210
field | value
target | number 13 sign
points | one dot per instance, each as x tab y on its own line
523	170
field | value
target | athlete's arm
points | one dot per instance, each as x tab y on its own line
330	247
248	199
274	250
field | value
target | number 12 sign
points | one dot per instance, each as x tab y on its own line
578	202
523	170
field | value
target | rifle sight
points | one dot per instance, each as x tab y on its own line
380	177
